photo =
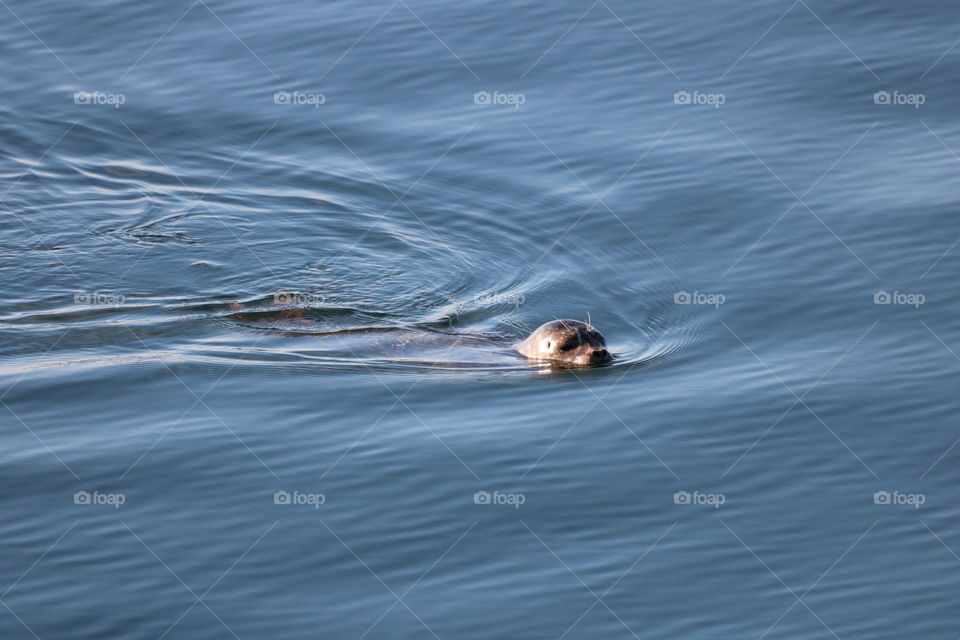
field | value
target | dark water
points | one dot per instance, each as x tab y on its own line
164	166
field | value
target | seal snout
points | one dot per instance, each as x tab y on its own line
600	356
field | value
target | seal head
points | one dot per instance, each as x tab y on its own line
569	341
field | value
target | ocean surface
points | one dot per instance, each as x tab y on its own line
263	264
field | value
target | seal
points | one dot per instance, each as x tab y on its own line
569	341
352	335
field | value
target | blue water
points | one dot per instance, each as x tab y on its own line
755	202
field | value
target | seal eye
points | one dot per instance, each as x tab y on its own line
567	346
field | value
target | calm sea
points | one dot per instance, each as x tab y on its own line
756	203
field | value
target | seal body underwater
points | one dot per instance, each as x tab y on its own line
569	341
